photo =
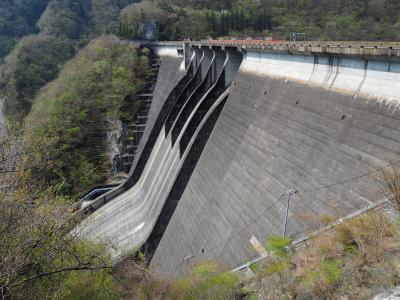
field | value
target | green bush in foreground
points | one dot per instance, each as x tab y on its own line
356	260
40	258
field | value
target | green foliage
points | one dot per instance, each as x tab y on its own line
40	256
331	271
203	281
276	267
18	18
70	117
208	282
328	19
279	246
353	260
81	19
86	285
64	18
35	61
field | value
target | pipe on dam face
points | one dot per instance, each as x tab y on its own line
128	220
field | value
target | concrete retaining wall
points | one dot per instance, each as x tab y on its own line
378	79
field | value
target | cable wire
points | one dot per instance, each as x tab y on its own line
250	223
350	179
234	234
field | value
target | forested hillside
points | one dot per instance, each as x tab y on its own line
70	118
320	19
61	27
17	19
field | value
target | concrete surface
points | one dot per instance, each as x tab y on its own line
290	122
127	221
319	123
393	294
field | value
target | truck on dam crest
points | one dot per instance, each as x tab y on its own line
233	126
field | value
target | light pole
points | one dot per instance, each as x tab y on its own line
187	259
289	193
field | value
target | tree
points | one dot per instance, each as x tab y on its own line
39	256
72	116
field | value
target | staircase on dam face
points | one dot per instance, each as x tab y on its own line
133	130
136	213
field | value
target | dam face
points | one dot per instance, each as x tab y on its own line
244	128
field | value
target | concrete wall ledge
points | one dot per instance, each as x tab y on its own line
328	50
373	50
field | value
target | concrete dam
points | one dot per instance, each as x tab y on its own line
234	126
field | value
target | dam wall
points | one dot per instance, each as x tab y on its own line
323	124
129	216
170	72
171	76
231	129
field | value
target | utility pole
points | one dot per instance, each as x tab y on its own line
187	259
289	194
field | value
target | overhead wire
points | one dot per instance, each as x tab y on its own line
351	179
251	222
236	233
233	234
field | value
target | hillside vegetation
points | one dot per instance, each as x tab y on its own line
56	17
35	61
70	118
17	19
326	20
356	260
62	27
75	22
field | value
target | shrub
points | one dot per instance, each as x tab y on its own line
365	236
279	246
390	179
208	282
